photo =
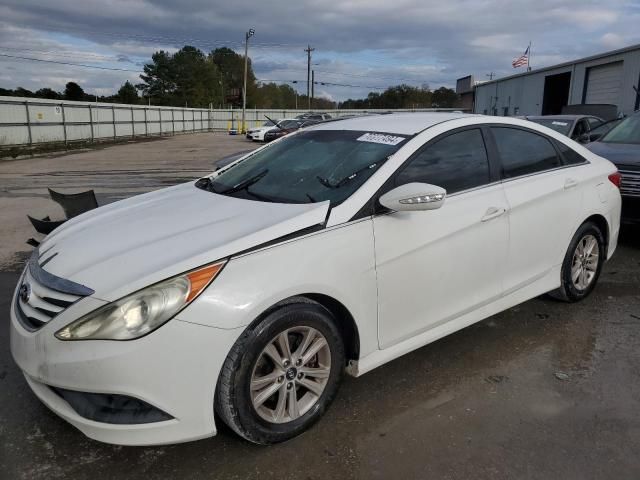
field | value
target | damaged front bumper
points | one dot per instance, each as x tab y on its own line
155	390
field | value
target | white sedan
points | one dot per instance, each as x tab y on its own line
257	134
337	248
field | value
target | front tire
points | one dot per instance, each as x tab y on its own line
282	374
582	264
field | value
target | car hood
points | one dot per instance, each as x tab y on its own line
130	244
262	129
620	154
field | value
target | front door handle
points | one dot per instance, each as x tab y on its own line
493	212
570	183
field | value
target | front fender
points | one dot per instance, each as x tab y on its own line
338	262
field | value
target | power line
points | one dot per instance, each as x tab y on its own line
264	80
68	63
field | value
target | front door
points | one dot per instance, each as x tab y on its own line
433	266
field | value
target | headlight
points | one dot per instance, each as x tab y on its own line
143	311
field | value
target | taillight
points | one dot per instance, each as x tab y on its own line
615	179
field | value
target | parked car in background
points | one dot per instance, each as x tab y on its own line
599	131
621	145
243	297
257	134
576	127
314	116
284	127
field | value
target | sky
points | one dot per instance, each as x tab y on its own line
361	45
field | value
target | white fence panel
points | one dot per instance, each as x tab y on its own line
31	121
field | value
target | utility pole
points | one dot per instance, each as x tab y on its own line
490	75
247	35
309	50
313	83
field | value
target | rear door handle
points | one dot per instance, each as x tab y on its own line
570	183
493	212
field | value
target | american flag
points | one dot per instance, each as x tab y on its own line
521	60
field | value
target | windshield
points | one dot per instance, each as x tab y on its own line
627	131
560	126
312	166
288	124
268	123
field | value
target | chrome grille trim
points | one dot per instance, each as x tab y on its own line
630	183
56	283
47	297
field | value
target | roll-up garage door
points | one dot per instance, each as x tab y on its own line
604	84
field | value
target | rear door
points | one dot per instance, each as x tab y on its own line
433	266
544	198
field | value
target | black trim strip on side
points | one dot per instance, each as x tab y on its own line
284	238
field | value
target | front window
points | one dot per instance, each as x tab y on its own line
312	166
560	126
627	131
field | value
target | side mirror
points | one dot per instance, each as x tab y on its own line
584	138
414	196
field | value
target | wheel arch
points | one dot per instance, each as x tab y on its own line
346	322
601	222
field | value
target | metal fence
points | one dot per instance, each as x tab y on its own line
33	121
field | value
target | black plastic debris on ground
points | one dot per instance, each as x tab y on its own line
73	205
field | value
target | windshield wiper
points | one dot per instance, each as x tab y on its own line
327	183
245	183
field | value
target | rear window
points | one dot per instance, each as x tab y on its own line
560	126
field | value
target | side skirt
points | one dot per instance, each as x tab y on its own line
543	285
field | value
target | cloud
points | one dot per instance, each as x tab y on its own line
612	40
362	44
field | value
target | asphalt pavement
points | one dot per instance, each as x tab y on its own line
545	390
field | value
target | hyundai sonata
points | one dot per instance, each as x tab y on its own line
337	248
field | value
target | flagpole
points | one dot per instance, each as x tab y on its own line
529	57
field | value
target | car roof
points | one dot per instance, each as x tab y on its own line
558	117
399	123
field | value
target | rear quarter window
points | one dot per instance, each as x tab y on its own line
571	157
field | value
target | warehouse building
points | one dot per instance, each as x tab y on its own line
608	78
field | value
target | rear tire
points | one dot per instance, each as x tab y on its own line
281	374
582	264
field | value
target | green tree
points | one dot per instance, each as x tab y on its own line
187	77
231	68
127	94
22	92
444	98
48	93
73	91
158	78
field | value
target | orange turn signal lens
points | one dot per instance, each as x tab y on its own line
202	277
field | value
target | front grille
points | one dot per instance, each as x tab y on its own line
630	183
42	296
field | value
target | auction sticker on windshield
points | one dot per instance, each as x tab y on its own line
380	138
562	124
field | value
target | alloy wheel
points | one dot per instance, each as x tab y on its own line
290	374
585	262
